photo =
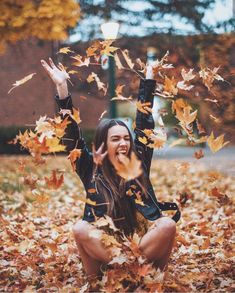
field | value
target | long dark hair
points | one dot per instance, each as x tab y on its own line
111	185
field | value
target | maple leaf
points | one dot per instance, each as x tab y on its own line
128	168
185	116
60	125
107	49
54	182
221	198
94	49
81	61
118	62
209	75
42	125
119	96
160	64
170	87
187	76
21	81
76	115
65	50
144	107
30	181
127	58
154	138
54	145
183	86
73	156
179	104
101	86
215	144
198	155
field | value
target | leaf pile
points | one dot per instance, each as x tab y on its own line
38	251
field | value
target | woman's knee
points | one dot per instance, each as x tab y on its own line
167	225
81	230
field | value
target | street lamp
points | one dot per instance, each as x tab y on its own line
110	31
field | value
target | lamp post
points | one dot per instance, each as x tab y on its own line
110	31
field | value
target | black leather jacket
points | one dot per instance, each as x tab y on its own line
151	209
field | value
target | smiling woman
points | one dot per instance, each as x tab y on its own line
117	183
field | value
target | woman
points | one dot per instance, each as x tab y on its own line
113	141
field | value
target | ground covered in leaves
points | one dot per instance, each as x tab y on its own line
38	252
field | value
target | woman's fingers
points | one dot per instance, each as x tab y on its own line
46	66
52	63
98	156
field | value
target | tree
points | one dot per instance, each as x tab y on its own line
145	17
47	20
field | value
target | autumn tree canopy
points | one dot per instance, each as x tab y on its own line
146	17
47	20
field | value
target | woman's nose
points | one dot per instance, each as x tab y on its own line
123	142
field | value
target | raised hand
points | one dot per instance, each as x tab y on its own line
98	156
58	76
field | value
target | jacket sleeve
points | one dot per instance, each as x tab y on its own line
144	121
73	139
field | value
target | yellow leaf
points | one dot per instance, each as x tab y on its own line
21	81
216	144
65	50
54	145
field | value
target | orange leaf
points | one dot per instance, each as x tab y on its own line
128	168
170	86
54	182
73	156
144	107
76	116
198	155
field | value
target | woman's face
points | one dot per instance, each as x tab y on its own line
118	142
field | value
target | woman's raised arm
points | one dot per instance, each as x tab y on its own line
145	121
72	138
59	76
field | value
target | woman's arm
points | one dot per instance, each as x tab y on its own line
73	134
145	121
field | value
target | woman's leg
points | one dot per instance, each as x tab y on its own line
92	251
157	243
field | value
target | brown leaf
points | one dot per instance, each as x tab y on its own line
198	155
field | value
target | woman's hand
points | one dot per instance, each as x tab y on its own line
58	76
98	156
149	72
